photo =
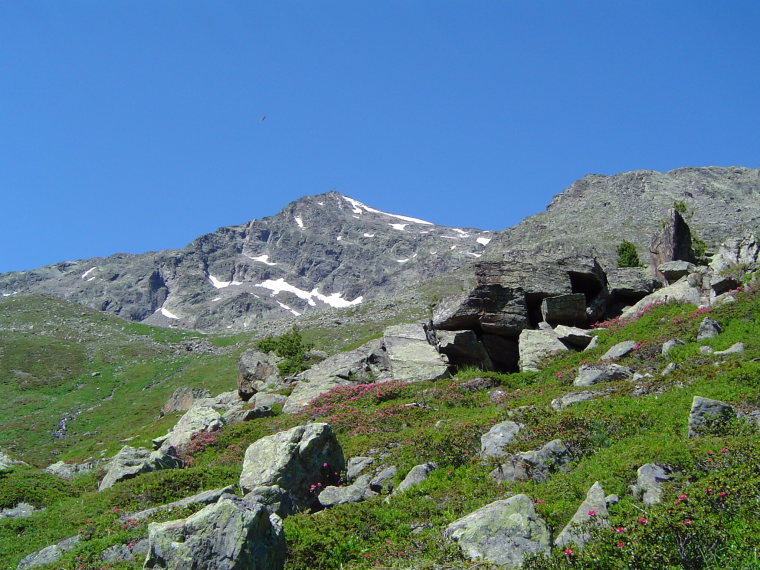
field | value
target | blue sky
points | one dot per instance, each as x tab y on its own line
128	126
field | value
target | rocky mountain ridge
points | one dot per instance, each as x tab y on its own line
320	251
331	251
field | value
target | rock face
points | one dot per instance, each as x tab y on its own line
130	462
464	348
567	310
708	416
674	270
592	511
228	535
318	252
294	460
502	533
673	243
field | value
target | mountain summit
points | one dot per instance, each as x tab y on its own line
320	251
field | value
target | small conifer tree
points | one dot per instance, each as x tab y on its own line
627	256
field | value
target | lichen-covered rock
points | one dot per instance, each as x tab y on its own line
202	498
70	470
367	363
125	552
679	292
493	442
649	480
592	511
356	465
588	375
294	460
131	461
536	346
358	491
20	511
383	481
275	499
228	535
708	416
674	270
502	532
735	348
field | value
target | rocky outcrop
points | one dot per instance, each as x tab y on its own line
201	417
130	462
298	460
672	271
569	310
502	532
228	535
365	364
464	348
672	243
70	470
20	511
125	552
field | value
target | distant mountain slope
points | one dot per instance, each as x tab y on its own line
320	251
598	212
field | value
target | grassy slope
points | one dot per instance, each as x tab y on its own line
611	437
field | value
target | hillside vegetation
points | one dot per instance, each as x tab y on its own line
57	358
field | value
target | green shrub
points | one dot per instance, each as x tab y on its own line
291	348
627	256
28	485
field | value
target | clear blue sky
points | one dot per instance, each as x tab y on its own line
128	126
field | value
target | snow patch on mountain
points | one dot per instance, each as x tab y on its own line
261	259
360	208
483	240
335	300
86	273
222	284
399	227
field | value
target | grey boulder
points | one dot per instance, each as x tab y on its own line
574	398
228	535
493	442
182	399
255	371
416	475
620	350
538	464
502	532
709	416
411	355
649	480
708	328
49	554
588	375
294	460
536	346
592	511
463	348
129	462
